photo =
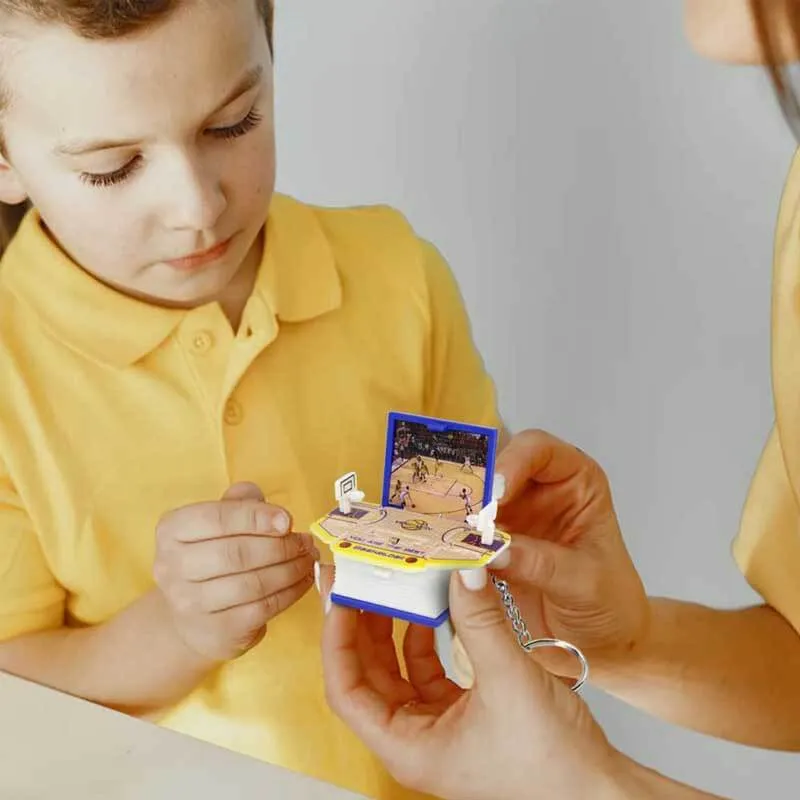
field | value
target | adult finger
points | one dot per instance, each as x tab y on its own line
377	632
481	625
230	591
379	657
559	571
395	735
536	455
375	640
349	692
214	558
425	671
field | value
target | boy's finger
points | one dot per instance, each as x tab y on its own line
263	585
213	520
258	613
232	555
244	490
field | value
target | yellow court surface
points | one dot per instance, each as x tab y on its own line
404	540
439	493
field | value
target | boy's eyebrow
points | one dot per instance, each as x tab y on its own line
249	80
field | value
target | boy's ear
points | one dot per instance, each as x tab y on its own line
12	191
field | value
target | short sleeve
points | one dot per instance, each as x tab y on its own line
30	597
457	384
767	546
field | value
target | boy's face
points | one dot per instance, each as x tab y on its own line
139	152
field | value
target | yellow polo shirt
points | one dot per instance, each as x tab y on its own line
113	411
767	548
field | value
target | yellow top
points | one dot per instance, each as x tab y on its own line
113	411
767	547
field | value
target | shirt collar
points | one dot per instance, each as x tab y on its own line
297	281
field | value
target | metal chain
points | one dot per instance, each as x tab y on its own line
513	612
527	642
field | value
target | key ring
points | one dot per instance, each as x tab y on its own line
528	643
570	648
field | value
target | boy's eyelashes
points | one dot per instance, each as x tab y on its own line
105	179
242	127
111	178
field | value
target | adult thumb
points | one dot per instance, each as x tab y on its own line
484	630
244	490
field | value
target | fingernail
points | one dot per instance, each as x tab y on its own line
316	575
503	560
473	579
281	523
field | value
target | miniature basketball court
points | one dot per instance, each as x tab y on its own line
436	515
388	536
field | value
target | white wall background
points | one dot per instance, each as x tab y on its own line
607	201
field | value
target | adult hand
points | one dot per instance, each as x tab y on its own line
570	572
518	732
226	568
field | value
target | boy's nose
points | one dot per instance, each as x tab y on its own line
195	202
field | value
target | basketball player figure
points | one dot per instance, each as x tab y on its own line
405	498
415	478
437	466
467	465
397	489
423	471
467	504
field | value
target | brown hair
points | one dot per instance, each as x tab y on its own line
777	24
96	19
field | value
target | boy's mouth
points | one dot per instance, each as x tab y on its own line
202	257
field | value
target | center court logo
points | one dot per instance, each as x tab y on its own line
414	525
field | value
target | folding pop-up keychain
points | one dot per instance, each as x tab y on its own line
437	514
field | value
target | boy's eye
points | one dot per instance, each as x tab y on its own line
105	179
111	178
242	127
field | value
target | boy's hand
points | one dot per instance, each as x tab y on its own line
570	571
227	567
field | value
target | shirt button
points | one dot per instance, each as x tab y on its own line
202	342
233	412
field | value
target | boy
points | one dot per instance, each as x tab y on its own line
173	350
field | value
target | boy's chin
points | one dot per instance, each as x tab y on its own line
185	288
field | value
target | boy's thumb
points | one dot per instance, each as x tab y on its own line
482	627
